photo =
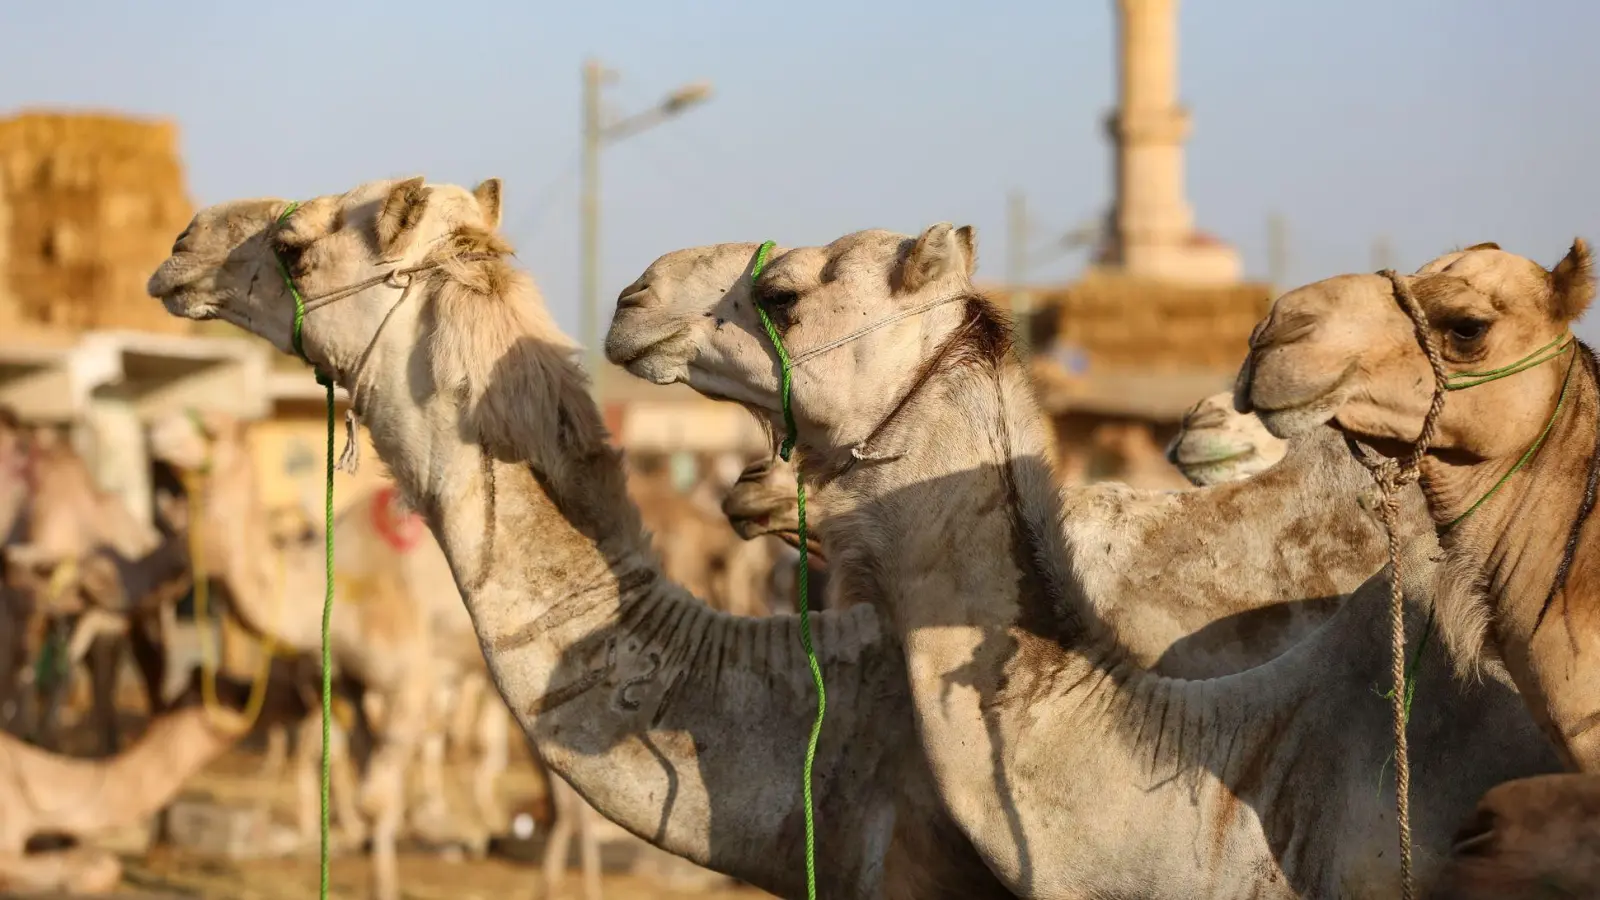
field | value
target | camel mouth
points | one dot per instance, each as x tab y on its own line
185	305
658	356
638	332
1215	471
1286	405
1186	454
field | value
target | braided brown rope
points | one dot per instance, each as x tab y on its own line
1391	476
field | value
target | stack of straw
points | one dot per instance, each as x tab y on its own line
1123	323
95	202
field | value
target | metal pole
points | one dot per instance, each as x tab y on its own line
1017	264
1277	252
589	228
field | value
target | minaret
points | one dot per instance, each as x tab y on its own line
1152	225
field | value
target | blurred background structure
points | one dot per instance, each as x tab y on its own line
1135	240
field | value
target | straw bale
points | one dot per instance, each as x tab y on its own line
95	200
1122	322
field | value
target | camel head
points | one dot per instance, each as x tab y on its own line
860	317
188	440
763	502
344	249
1216	444
1346	350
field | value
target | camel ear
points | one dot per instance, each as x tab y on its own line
400	215
1572	282
1486	245
940	252
488	197
309	223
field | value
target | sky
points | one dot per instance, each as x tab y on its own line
1430	123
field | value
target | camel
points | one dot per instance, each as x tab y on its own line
929	428
397	626
54	517
42	793
1216	444
648	702
1511	469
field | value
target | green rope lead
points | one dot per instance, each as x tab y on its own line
327	536
803	587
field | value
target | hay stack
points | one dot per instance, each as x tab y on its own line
1124	323
95	202
8	303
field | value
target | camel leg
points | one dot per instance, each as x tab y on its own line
276	756
11	657
307	774
433	812
105	658
588	847
342	782
149	647
406	715
494	730
553	865
463	716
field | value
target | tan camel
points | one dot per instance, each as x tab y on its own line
1529	839
929	428
1216	444
1511	471
45	793
394	627
649	703
57	518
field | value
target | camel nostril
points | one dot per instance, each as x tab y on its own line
1283	329
633	295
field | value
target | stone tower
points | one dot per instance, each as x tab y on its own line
1151	229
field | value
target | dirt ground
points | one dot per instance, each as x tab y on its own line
168	874
165	871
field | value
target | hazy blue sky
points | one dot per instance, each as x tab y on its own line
1435	122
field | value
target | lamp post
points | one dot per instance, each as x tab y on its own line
596	134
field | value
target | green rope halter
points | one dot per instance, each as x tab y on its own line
785	450
1464	380
326	380
1460	382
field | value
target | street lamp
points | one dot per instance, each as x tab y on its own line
596	134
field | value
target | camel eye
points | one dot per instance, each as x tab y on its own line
1468	330
778	299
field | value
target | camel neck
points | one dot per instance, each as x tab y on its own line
1516	543
968	470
